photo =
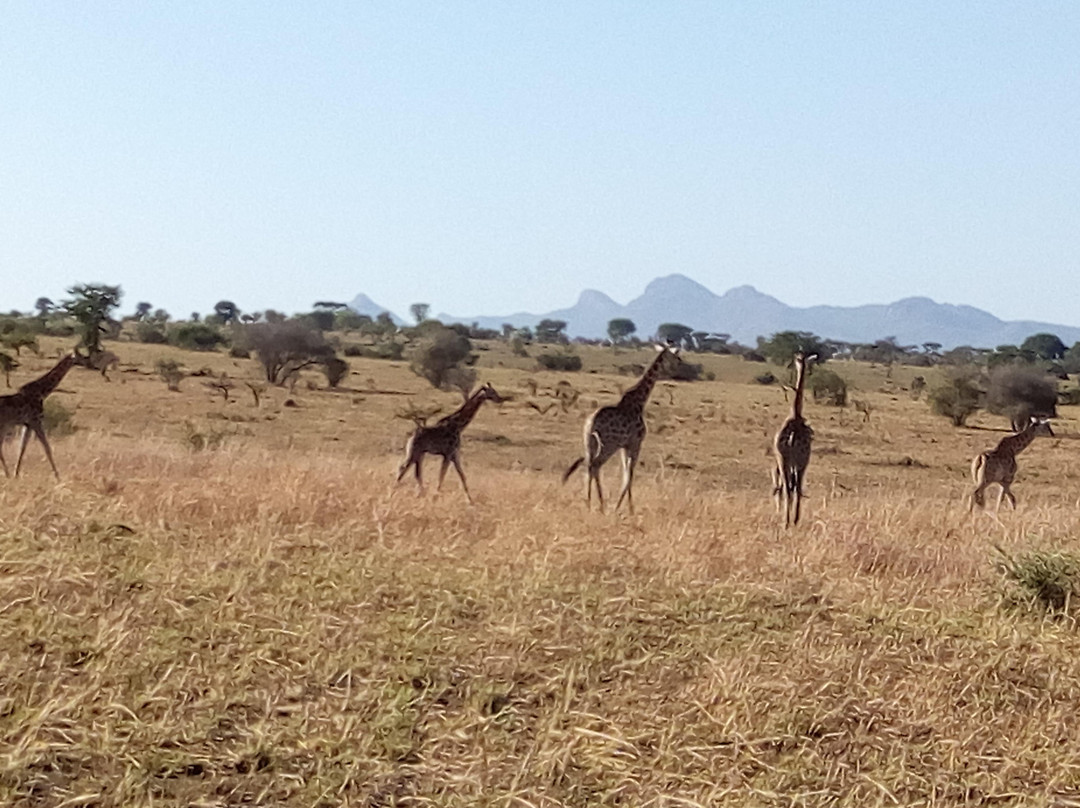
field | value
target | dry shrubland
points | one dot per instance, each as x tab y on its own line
263	618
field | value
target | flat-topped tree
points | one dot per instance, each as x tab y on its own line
91	305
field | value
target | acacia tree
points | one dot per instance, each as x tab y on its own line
227	311
675	333
782	346
91	304
419	311
44	307
285	348
1044	346
551	331
620	328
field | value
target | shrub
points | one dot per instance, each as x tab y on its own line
285	348
236	352
828	387
150	333
57	419
1048	580
195	336
353	350
335	369
957	398
682	372
1019	392
565	362
438	356
765	378
171	373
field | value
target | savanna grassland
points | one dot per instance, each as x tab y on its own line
225	604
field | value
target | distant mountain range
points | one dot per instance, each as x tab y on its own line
745	314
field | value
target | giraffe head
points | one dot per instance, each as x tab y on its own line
668	359
488	393
1041	426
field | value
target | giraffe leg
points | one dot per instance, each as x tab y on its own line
442	472
25	439
1001	496
629	459
594	477
778	486
3	462
1006	492
457	466
419	480
39	430
798	477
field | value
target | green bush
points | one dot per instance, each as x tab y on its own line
195	337
957	398
828	387
57	419
1050	581
564	362
150	333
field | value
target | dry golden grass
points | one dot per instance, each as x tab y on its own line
272	622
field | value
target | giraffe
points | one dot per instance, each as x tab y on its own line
998	465
792	446
621	426
444	439
25	408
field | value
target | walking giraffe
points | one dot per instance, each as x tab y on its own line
444	438
621	426
792	447
998	465
25	408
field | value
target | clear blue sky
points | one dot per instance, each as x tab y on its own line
488	157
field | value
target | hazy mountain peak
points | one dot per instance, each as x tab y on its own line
594	298
746	314
676	285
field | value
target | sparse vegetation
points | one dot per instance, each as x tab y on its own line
828	387
957	398
1019	392
240	611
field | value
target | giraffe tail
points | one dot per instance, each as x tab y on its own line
977	468
572	469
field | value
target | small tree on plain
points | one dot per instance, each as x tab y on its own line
286	348
781	347
1019	392
1044	346
620	328
336	369
551	331
957	398
90	305
441	356
419	311
227	311
828	387
675	333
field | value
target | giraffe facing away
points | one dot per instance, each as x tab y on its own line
621	426
998	465
792	447
25	408
444	438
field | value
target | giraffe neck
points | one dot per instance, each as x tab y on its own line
460	418
1015	444
800	380
41	387
636	396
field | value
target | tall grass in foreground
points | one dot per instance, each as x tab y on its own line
250	627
